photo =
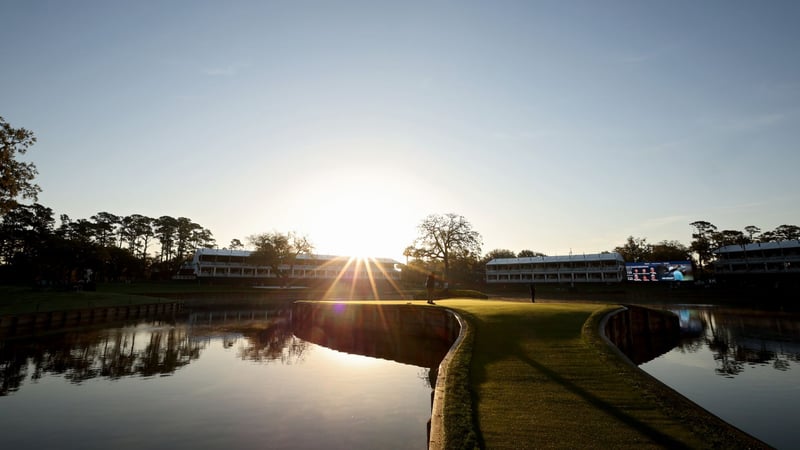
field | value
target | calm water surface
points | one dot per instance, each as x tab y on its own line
205	383
741	365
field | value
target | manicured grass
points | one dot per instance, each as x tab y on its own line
156	288
542	378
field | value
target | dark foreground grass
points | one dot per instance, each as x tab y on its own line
22	300
541	377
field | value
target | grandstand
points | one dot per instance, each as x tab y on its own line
759	258
240	265
592	268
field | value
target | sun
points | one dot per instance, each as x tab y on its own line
360	240
356	218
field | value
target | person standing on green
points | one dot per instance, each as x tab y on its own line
430	284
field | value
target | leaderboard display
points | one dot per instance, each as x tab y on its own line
660	271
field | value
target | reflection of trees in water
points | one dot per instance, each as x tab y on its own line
275	342
149	350
82	355
262	335
738	339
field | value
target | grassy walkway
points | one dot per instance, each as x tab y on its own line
541	378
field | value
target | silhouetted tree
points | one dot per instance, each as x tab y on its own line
703	241
635	250
16	177
279	251
105	225
729	237
166	231
529	254
499	253
443	237
752	231
137	231
669	251
786	232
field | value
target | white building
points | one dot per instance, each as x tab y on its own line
759	258
237	264
596	268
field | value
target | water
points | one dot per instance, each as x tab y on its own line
743	366
206	382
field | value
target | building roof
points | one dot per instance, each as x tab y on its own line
246	253
758	246
558	259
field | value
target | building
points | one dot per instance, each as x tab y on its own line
759	259
595	268
238	265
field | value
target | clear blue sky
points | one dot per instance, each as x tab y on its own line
551	126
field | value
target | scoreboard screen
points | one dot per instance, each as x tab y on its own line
660	271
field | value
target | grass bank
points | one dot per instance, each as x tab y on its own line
21	300
540	377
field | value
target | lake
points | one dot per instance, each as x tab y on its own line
234	379
741	365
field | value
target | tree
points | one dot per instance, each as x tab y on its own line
729	237
24	229
80	230
498	253
786	233
669	251
445	237
105	227
202	238
137	230
185	231
166	229
703	241
236	244
279	252
16	177
751	231
529	254
635	250
26	235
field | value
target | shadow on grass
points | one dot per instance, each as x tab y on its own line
500	336
657	436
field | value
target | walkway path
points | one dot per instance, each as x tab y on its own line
542	382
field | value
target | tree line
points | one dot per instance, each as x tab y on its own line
104	247
118	247
448	244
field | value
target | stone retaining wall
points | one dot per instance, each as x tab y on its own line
33	323
409	320
641	333
433	333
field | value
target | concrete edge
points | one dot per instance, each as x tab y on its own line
749	440
436	439
611	345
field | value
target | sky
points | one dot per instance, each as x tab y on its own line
553	126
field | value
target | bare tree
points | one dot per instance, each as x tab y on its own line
444	237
